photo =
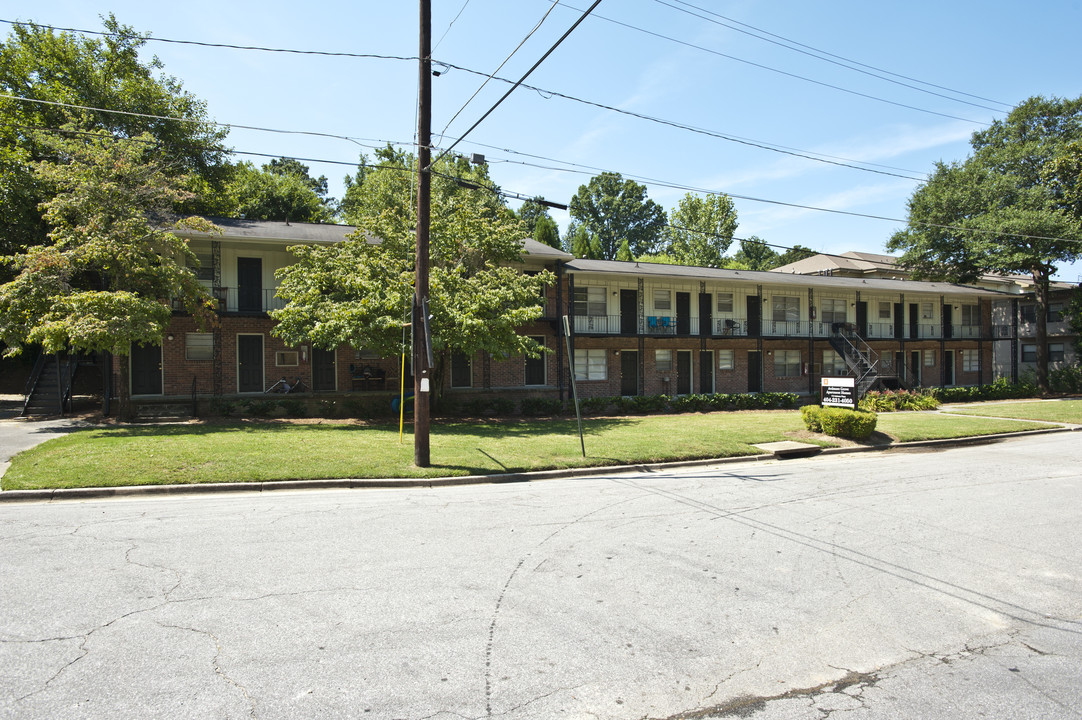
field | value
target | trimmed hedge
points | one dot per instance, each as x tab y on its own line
892	400
839	422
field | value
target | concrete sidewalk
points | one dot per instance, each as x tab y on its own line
18	434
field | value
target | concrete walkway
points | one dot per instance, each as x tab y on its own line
18	434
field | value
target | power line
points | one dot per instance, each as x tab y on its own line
460	11
806	154
782	72
523	78
645	179
819	55
505	61
702	131
831	55
227	46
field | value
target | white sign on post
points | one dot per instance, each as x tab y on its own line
838	392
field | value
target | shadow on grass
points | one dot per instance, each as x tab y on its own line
513	428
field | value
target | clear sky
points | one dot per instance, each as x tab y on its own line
945	69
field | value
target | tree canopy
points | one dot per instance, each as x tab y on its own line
37	64
611	209
281	190
1006	209
701	230
358	292
111	269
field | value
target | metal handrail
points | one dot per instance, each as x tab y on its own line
32	381
195	407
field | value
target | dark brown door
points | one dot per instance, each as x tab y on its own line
683	372
249	284
629	372
706	311
146	370
249	363
706	372
323	370
755	371
755	313
629	312
683	313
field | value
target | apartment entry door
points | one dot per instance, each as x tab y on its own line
683	372
146	369
249	363
323	370
755	371
706	371
249	284
629	372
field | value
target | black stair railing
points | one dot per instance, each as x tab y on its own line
32	381
859	357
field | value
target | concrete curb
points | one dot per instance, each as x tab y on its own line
16	496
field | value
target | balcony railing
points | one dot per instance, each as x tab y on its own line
231	299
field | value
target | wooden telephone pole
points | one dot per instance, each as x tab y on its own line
421	350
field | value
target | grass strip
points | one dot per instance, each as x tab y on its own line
257	452
1065	411
911	427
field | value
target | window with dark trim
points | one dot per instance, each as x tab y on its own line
461	370
535	367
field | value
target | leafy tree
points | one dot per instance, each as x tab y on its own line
274	194
612	209
581	243
547	232
105	280
106	72
531	212
755	254
624	253
358	292
701	230
795	253
1005	209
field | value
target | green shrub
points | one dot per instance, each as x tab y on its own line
892	400
260	408
1066	379
502	407
541	406
594	405
810	415
1001	389
839	422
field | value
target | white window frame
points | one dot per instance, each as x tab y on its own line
591	364
833	310
789	307
663	360
287	358
929	358
974	313
594	301
726	359
834	364
663	300
785	362
725	302
971	360
927	310
885	310
203	345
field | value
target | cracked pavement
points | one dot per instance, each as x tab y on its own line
887	585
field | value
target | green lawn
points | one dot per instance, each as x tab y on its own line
1067	411
913	426
255	452
266	451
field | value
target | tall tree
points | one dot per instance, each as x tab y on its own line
531	212
612	210
274	194
547	232
795	253
37	64
755	254
107	277
701	230
1005	209
359	291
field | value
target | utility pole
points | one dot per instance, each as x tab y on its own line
421	351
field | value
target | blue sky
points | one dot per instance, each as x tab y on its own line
659	58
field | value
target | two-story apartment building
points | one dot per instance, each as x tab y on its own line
636	328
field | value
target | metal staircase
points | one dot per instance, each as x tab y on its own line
48	390
859	357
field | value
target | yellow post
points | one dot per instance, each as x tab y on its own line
402	399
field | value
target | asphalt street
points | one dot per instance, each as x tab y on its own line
931	584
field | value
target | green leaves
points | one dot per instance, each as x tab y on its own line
611	210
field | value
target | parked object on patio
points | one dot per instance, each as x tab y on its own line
284	386
366	377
